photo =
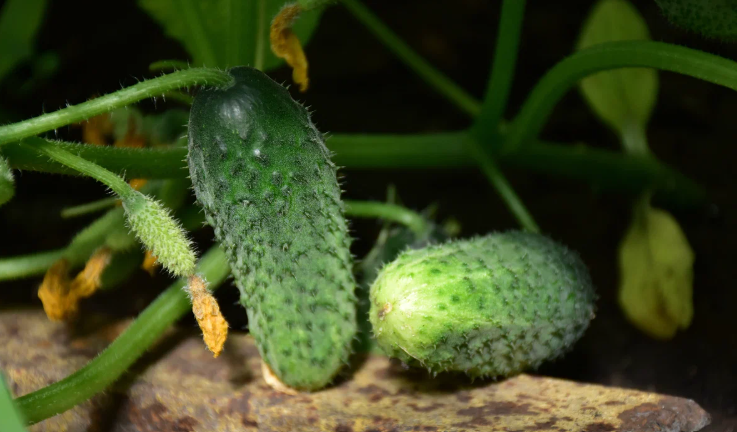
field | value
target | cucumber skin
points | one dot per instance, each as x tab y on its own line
262	173
489	306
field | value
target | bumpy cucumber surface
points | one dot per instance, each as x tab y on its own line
262	173
489	306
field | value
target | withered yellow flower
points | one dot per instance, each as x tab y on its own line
286	45
206	310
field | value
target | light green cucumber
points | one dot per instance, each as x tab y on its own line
489	306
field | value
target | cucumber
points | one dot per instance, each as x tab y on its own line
489	306
264	177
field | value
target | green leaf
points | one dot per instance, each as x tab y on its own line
619	97
226	33
10	419
19	22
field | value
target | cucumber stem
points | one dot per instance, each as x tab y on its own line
64	157
612	55
128	95
450	90
392	212
502	71
600	168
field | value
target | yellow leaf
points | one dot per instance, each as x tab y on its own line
656	273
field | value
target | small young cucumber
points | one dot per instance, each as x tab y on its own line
262	173
490	306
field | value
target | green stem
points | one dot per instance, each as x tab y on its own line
392	212
502	72
601	168
10	419
613	55
136	163
109	102
608	170
425	70
107	367
49	148
634	140
260	52
87	208
28	265
504	189
162	65
512	18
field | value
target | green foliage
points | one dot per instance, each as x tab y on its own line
10	419
624	97
226	33
711	18
489	306
262	173
19	23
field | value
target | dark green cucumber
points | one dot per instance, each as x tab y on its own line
490	306
262	173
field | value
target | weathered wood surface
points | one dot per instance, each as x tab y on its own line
180	387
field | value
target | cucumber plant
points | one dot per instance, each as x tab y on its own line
264	176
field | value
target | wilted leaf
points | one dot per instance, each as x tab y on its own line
226	33
19	22
622	96
656	273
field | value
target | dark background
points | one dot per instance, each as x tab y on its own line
358	86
